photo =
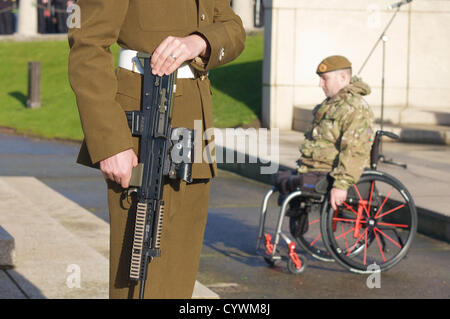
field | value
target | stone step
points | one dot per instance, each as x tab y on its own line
7	252
50	261
75	219
437	131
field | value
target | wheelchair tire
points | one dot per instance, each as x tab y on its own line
382	235
292	268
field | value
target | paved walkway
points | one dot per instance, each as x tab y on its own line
55	234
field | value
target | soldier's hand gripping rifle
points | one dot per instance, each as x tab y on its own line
164	151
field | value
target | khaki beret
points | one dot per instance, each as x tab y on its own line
333	63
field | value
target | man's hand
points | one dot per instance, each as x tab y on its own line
174	51
337	197
118	167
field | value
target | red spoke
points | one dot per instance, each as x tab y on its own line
348	220
379	245
357	241
344	234
393	241
314	241
391	211
350	207
394	225
314	221
360	198
371	193
342	229
384	202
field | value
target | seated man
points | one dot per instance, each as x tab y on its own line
340	138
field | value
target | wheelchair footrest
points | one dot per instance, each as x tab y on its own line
294	257
268	244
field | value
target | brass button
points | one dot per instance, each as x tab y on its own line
221	54
202	17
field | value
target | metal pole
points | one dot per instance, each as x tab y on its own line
383	72
34	85
379	39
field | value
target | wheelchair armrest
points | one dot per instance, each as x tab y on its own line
324	185
388	134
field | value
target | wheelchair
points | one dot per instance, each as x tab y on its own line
371	231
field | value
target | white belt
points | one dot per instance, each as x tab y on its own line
128	60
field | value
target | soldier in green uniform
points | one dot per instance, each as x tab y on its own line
192	36
340	138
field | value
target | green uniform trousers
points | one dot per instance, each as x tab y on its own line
173	274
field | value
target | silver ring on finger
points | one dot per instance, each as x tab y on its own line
173	56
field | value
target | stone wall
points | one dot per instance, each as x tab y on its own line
300	33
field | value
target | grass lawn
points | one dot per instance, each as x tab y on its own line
236	89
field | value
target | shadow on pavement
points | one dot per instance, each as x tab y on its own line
27	288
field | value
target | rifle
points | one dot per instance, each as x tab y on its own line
164	152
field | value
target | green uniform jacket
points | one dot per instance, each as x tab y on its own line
103	93
340	137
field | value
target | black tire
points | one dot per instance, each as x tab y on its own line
388	224
293	269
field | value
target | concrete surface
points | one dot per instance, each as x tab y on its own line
228	264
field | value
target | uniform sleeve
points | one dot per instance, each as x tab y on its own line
226	36
355	146
93	80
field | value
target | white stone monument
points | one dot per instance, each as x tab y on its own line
300	33
27	18
244	9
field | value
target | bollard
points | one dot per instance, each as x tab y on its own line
34	85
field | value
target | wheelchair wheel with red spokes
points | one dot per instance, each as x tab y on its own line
374	228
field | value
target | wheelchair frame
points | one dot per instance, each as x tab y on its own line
296	263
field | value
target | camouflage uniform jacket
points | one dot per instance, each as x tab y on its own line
340	138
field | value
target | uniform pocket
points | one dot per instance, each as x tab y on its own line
129	89
179	88
128	85
329	128
127	103
161	15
